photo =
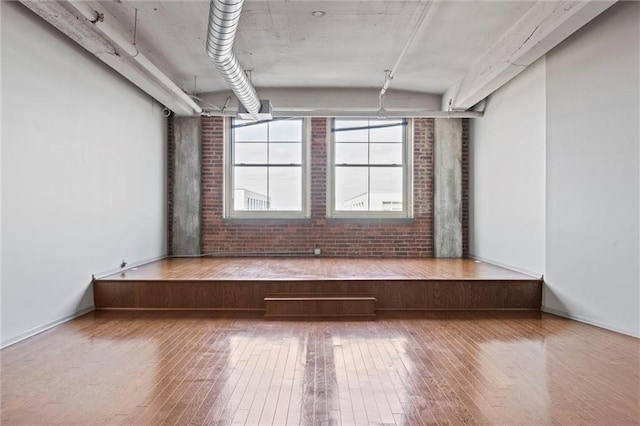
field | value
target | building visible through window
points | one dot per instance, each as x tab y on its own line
249	200
266	168
375	201
370	168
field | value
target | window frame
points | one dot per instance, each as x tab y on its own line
229	191
407	176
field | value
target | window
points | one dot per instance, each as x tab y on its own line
266	169
370	173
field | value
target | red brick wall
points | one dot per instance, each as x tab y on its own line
413	239
404	238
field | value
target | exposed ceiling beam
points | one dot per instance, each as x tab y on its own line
75	27
337	102
331	98
539	30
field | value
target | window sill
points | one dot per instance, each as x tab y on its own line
266	221
372	220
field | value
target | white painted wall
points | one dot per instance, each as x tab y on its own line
83	174
593	142
507	175
572	121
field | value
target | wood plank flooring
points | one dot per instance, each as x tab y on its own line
324	269
187	367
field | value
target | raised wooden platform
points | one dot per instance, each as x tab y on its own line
243	283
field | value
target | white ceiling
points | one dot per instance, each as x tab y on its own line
285	46
326	57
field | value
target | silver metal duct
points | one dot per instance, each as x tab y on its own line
223	22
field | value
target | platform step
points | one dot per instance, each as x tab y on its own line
319	305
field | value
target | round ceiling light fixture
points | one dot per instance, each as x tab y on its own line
318	13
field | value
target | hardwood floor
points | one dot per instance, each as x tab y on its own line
312	268
186	367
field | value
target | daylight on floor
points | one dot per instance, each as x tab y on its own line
397	212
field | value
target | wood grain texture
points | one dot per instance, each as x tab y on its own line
314	268
126	367
242	284
319	305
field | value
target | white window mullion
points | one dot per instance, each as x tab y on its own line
276	148
384	181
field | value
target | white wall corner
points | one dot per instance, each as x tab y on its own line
44	327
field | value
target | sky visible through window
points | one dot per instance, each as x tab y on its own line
267	160
268	164
369	162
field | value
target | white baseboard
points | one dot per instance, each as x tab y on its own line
45	327
129	266
505	266
585	320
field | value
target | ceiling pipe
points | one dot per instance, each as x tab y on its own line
106	28
89	38
67	22
405	113
390	74
224	16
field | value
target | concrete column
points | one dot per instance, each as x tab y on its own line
447	203
187	134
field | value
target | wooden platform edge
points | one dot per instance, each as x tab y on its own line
378	310
397	295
